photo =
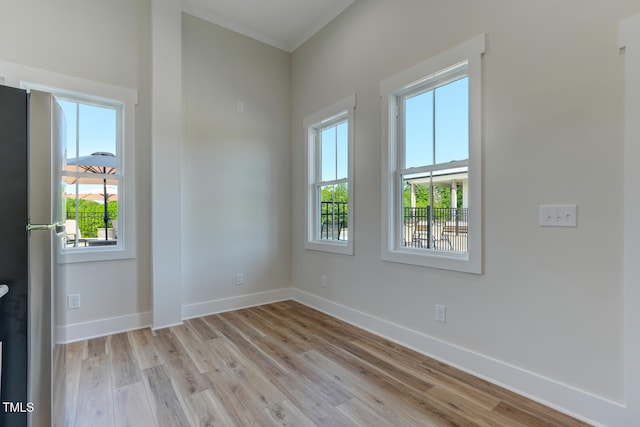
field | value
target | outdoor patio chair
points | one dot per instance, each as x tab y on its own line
73	235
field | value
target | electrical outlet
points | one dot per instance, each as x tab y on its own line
239	279
323	281
440	313
559	215
73	301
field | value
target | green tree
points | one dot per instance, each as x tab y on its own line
90	215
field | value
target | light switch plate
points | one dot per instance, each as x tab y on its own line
559	215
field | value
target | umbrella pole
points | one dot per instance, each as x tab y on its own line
106	211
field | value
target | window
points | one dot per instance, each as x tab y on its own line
92	174
432	161
99	118
329	216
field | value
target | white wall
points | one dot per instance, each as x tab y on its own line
236	166
550	301
106	42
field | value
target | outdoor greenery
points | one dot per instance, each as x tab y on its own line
90	215
441	196
335	193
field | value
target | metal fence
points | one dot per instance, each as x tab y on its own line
436	228
333	220
89	222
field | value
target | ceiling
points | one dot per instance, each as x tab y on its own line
285	24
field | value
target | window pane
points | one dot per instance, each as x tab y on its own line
328	147
418	114
334	143
334	209
452	121
434	210
97	129
85	213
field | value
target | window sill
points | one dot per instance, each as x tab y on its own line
343	248
435	259
94	254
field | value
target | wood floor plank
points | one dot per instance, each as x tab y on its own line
96	347
311	402
124	366
59	390
281	364
363	415
202	329
245	328
197	349
95	408
303	339
207	410
246	373
183	370
145	350
286	414
74	353
164	401
132	408
241	406
278	330
271	368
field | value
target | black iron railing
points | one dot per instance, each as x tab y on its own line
436	228
89	222
333	220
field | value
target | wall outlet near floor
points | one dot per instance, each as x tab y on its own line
239	278
440	313
73	301
324	281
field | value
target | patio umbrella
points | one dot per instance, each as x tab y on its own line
98	163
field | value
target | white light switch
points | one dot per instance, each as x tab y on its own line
559	215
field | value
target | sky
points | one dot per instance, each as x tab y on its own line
97	130
451	125
335	152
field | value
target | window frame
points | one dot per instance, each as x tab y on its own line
63	85
333	115
118	107
433	72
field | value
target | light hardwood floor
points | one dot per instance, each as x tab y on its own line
281	364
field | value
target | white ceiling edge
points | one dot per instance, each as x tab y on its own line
320	24
195	8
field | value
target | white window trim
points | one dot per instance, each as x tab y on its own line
630	42
311	123
25	77
470	52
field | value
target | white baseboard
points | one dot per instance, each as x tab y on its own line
567	399
114	325
102	327
234	303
